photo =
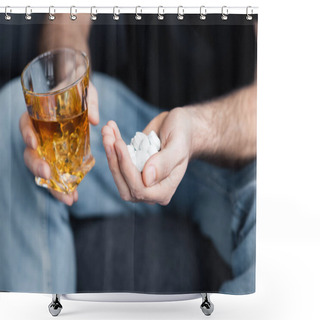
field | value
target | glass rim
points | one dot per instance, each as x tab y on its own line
51	93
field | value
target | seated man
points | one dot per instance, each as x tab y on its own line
184	177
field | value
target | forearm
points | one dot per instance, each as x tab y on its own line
62	32
224	131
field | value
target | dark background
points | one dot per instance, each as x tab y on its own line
168	63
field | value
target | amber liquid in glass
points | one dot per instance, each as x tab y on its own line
64	144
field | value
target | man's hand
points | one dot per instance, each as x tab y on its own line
40	167
221	131
164	171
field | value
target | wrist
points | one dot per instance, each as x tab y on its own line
203	138
57	34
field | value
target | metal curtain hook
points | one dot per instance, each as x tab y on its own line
116	14
6	14
93	16
160	15
28	13
73	11
249	15
224	13
180	13
203	13
52	10
138	16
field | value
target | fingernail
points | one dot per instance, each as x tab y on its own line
150	176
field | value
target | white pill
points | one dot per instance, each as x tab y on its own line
132	153
152	150
154	140
144	144
141	158
136	140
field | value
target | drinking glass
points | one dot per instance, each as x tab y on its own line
55	87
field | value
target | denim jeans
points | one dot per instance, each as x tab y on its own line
37	251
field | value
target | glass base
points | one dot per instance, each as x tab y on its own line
67	182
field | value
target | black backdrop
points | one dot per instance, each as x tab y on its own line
225	54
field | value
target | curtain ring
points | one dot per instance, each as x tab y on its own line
6	14
52	10
93	16
73	11
116	14
28	13
249	15
160	15
138	16
180	13
203	13
224	13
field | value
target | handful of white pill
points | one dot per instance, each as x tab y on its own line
142	147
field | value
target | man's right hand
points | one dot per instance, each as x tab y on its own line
40	167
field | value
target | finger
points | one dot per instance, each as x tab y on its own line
161	164
75	196
163	191
115	129
27	131
93	104
155	123
37	166
108	143
107	129
67	199
128	170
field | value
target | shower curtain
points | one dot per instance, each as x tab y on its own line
186	223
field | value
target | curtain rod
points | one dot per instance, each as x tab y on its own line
130	10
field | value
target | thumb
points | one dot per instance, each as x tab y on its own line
161	164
